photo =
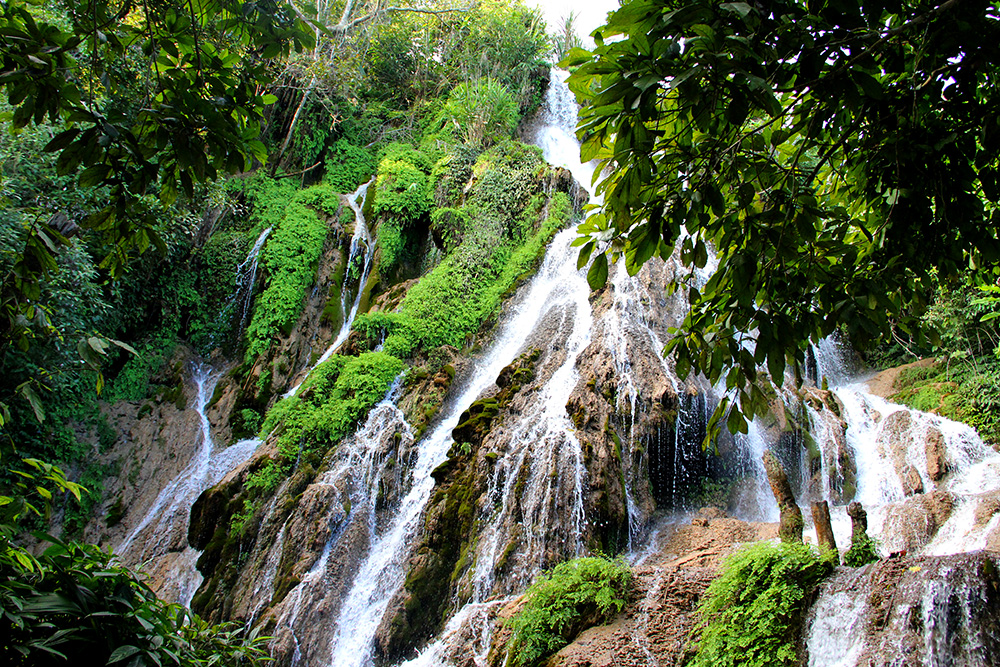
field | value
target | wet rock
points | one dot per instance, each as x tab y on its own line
909	612
912	524
937	464
445	549
791	515
912	484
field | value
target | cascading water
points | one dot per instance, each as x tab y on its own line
359	261
246	277
383	570
163	528
358	472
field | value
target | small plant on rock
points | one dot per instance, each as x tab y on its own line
752	614
576	595
863	550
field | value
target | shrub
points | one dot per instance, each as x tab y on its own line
483	111
576	595
348	166
402	187
76	604
337	394
751	615
864	550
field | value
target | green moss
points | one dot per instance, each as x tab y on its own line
288	259
330	402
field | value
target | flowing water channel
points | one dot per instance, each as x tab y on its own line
359	267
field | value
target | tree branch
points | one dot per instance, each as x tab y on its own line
346	25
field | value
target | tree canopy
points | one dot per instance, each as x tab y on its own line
837	157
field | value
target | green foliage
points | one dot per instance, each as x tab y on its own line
348	166
391	243
330	402
751	615
290	259
966	389
75	604
839	159
864	550
467	287
148	104
483	111
311	132
576	595
402	186
502	40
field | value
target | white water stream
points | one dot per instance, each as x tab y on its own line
165	523
384	568
246	277
361	254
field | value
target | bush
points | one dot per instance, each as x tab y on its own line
402	188
751	615
336	395
483	111
348	166
576	595
863	551
75	604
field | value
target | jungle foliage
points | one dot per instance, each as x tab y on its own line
834	159
123	122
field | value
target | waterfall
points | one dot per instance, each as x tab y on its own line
382	572
359	257
936	612
163	528
357	473
246	277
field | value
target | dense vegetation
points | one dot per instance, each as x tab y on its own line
752	614
560	605
149	108
156	143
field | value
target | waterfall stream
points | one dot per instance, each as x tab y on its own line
359	258
246	277
369	502
163	528
382	572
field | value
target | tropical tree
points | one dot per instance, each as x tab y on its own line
150	99
835	157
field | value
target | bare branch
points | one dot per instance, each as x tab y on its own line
346	25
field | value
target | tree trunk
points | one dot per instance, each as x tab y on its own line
291	125
824	529
859	521
790	529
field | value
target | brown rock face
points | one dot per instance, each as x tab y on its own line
912	524
937	465
909	612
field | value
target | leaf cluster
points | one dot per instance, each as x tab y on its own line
751	615
819	160
864	550
561	604
75	602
